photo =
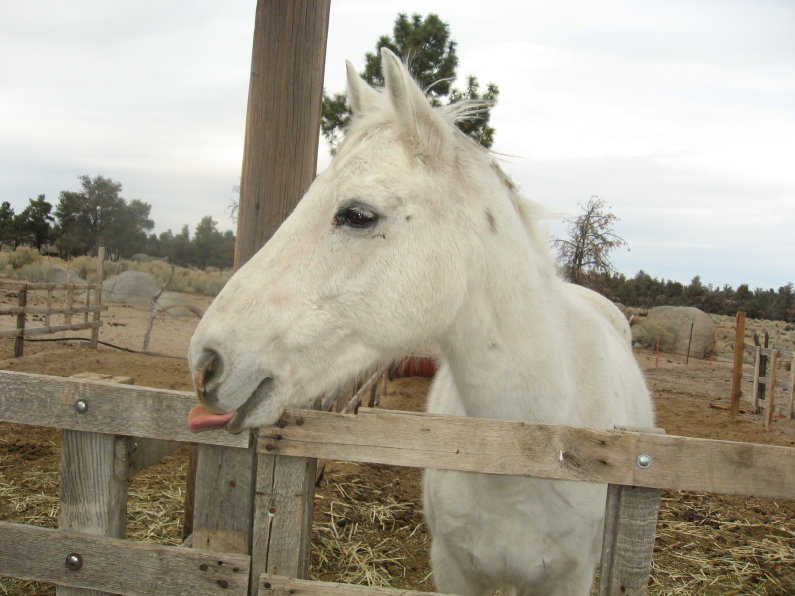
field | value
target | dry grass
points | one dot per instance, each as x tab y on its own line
366	533
368	528
29	485
28	264
707	545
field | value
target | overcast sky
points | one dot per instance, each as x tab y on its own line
679	113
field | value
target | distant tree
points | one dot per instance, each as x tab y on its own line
99	216
34	223
432	59
206	241
126	233
211	248
590	242
7	231
182	250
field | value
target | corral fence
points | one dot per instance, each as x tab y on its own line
90	311
252	522
763	376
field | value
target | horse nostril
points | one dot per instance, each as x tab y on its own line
208	371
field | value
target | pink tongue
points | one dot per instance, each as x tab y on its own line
200	418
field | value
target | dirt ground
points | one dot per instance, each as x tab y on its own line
368	525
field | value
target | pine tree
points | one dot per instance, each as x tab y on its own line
426	45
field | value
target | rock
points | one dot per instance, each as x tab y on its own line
59	275
674	323
131	287
136	287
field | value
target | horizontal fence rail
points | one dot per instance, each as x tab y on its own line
636	465
68	310
130	410
119	566
540	450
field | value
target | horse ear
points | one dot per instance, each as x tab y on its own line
421	125
361	96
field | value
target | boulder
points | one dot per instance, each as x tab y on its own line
59	275
136	287
675	323
131	287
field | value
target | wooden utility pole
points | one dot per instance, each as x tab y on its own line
246	502
739	349
283	119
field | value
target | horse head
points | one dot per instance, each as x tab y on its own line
372	264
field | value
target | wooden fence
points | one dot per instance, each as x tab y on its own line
765	381
251	531
68	310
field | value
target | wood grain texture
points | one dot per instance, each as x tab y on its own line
135	411
630	525
22	301
282	118
93	494
547	451
282	525
31	331
119	566
223	499
276	585
628	543
737	376
53	310
141	453
770	396
93	499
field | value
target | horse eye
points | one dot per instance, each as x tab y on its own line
356	216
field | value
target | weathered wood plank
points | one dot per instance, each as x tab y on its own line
276	585
29	332
15	285
737	371
52	310
119	566
792	391
140	453
755	380
97	295
223	499
93	497
507	447
770	397
630	525
282	525
135	411
93	500
22	300
780	384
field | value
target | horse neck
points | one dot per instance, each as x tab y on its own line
507	339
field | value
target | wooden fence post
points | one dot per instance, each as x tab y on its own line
282	523
770	404
757	374
98	295
279	163
792	386
93	494
19	341
630	527
739	349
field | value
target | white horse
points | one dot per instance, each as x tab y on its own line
413	237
